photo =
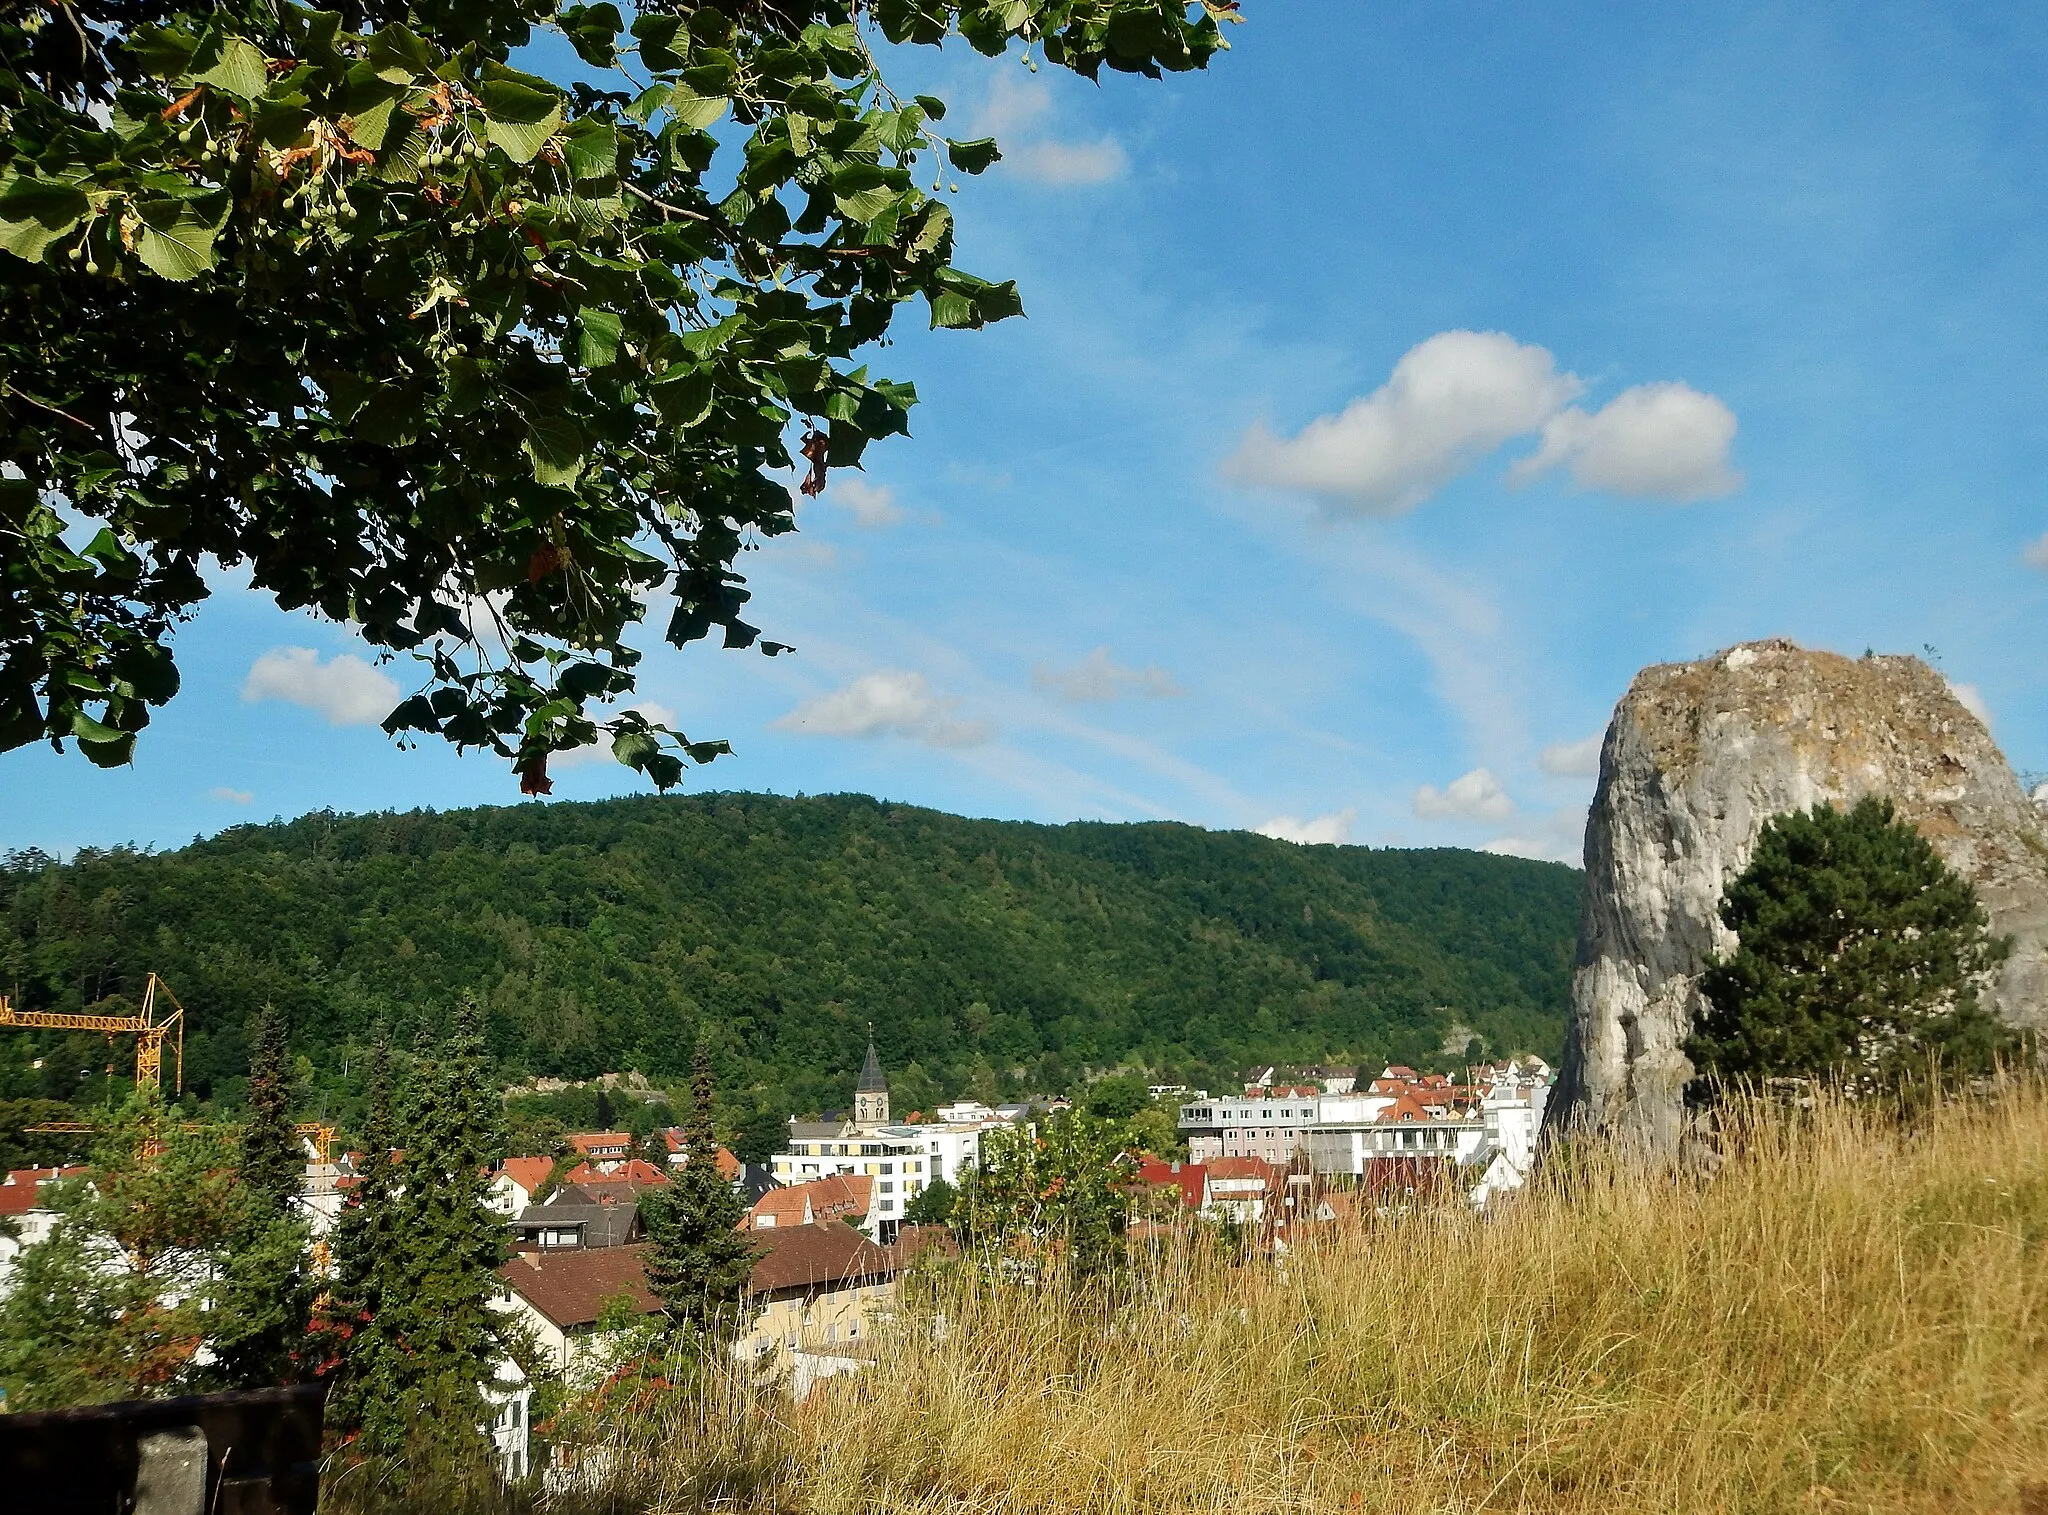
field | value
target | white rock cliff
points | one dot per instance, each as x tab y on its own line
1697	758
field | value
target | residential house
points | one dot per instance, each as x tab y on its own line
22	1204
578	1217
517	1182
630	1176
562	1294
605	1150
814	1299
842	1197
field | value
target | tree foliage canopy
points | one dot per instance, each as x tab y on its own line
1861	957
435	346
605	937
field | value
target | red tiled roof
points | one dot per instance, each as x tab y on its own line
912	1242
638	1174
726	1162
843	1196
571	1288
586	1141
807	1257
528	1172
18	1193
1189	1178
1407	1110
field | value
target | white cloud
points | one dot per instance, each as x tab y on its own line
1580	759
892	702
1449	402
1475	796
1664	441
1334	828
345	689
1971	698
1096	679
1069	162
1015	103
2036	552
232	796
1559	837
873	505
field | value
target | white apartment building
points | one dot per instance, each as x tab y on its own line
1271	1123
900	1159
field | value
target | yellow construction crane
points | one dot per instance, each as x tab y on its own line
150	1032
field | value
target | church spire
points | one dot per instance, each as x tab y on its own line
871	1094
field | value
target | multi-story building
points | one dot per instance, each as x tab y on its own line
901	1159
1267	1122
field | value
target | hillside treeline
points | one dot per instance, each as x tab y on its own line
990	956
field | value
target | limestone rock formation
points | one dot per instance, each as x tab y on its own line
1697	758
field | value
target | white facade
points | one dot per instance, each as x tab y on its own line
900	1159
1265	1124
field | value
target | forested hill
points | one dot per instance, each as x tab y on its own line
604	936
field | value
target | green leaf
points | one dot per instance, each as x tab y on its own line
694	110
232	65
591	149
657	37
104	746
933	106
974	156
863	191
593	31
178	235
554	446
519	118
597	341
36	212
683	397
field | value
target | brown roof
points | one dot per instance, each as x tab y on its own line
571	1288
807	1257
584	1141
842	1195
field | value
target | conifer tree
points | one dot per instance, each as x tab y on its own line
698	1259
366	1356
266	1288
1861	958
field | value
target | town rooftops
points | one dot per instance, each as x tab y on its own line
571	1289
819	1130
18	1192
1238	1170
678	1153
528	1172
844	1196
803	1258
631	1176
601	1143
596	1225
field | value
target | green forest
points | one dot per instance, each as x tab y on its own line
991	957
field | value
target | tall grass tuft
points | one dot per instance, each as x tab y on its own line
1851	1314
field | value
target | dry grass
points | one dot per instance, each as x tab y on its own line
1850	1316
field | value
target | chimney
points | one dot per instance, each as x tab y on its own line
533	1258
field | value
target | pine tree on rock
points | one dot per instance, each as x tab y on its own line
698	1259
1861	958
266	1294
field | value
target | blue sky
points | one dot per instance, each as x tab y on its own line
1636	336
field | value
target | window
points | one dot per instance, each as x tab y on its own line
890	1168
888	1188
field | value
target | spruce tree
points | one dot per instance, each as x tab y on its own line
439	1300
1861	958
698	1259
266	1293
366	1356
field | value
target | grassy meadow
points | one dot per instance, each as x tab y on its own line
1850	1315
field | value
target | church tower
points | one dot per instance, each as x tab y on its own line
871	1094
